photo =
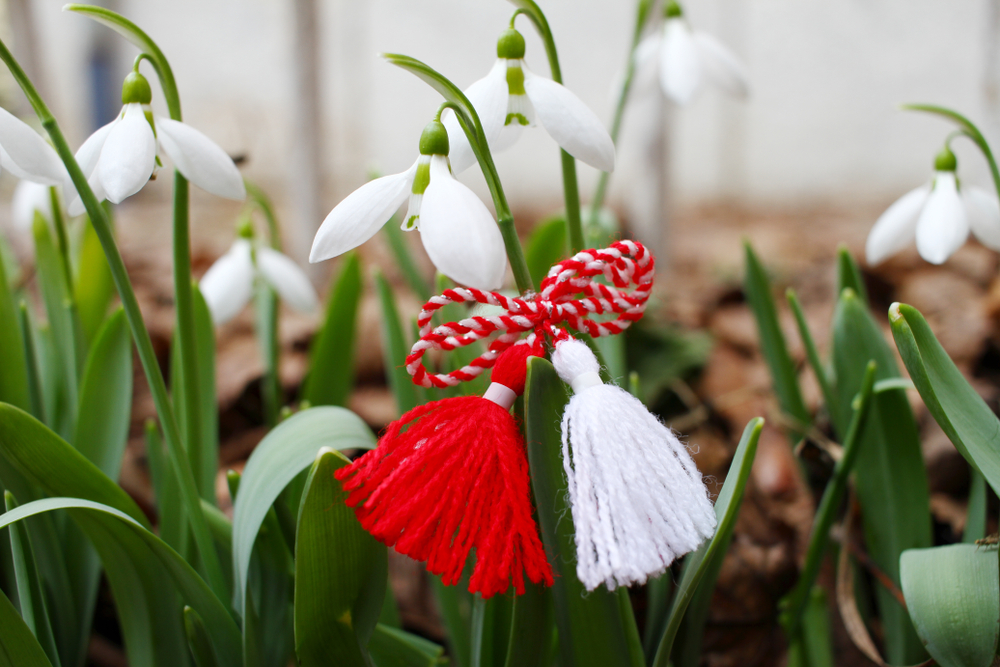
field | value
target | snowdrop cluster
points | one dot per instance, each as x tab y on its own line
121	157
938	215
686	59
457	230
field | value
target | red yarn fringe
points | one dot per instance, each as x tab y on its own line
450	476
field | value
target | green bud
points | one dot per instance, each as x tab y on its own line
434	140
673	10
244	228
945	160
136	89
510	45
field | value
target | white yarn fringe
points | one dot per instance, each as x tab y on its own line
637	498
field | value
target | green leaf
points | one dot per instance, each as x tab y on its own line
14	378
34	609
531	628
975	517
148	579
590	625
207	463
890	477
491	629
455	605
266	329
331	362
199	640
404	259
812	647
772	341
663	354
340	573
395	349
18	647
49	462
849	275
170	515
93	287
395	648
707	558
52	281
956	406
285	451
546	246
35	390
951	593
106	397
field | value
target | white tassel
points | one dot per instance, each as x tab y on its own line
637	498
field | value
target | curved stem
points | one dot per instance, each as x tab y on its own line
144	346
571	188
505	219
260	199
641	14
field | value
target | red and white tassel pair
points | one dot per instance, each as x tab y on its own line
452	476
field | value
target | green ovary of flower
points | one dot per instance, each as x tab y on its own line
945	160
434	140
136	89
510	45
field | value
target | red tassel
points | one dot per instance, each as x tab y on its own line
450	476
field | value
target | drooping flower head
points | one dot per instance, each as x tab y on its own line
511	97
938	215
119	158
228	284
457	230
686	58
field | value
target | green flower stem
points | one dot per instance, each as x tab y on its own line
641	14
795	602
571	188
144	346
967	128
260	199
183	297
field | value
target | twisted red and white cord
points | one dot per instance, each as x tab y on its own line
569	297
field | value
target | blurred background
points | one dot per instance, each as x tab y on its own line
297	89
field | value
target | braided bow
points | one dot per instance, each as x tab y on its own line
569	297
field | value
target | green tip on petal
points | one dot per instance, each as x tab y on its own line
136	89
673	10
510	45
945	160
434	139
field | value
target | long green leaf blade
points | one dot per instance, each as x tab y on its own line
890	477
340	573
590	626
14	378
395	648
707	558
93	287
395	349
18	647
287	450
956	406
331	363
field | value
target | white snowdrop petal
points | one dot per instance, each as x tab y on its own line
680	69
26	154
76	206
88	154
489	98
28	198
942	227
200	160
983	213
128	156
570	122
228	285
721	65
896	227
646	65
459	233
360	215
287	279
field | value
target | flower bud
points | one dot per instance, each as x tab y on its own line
434	139
945	160
244	228
673	10
136	89
510	45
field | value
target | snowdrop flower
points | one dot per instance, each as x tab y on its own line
25	154
120	158
686	58
30	197
939	215
511	96
457	230
228	284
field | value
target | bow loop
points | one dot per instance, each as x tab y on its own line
570	297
